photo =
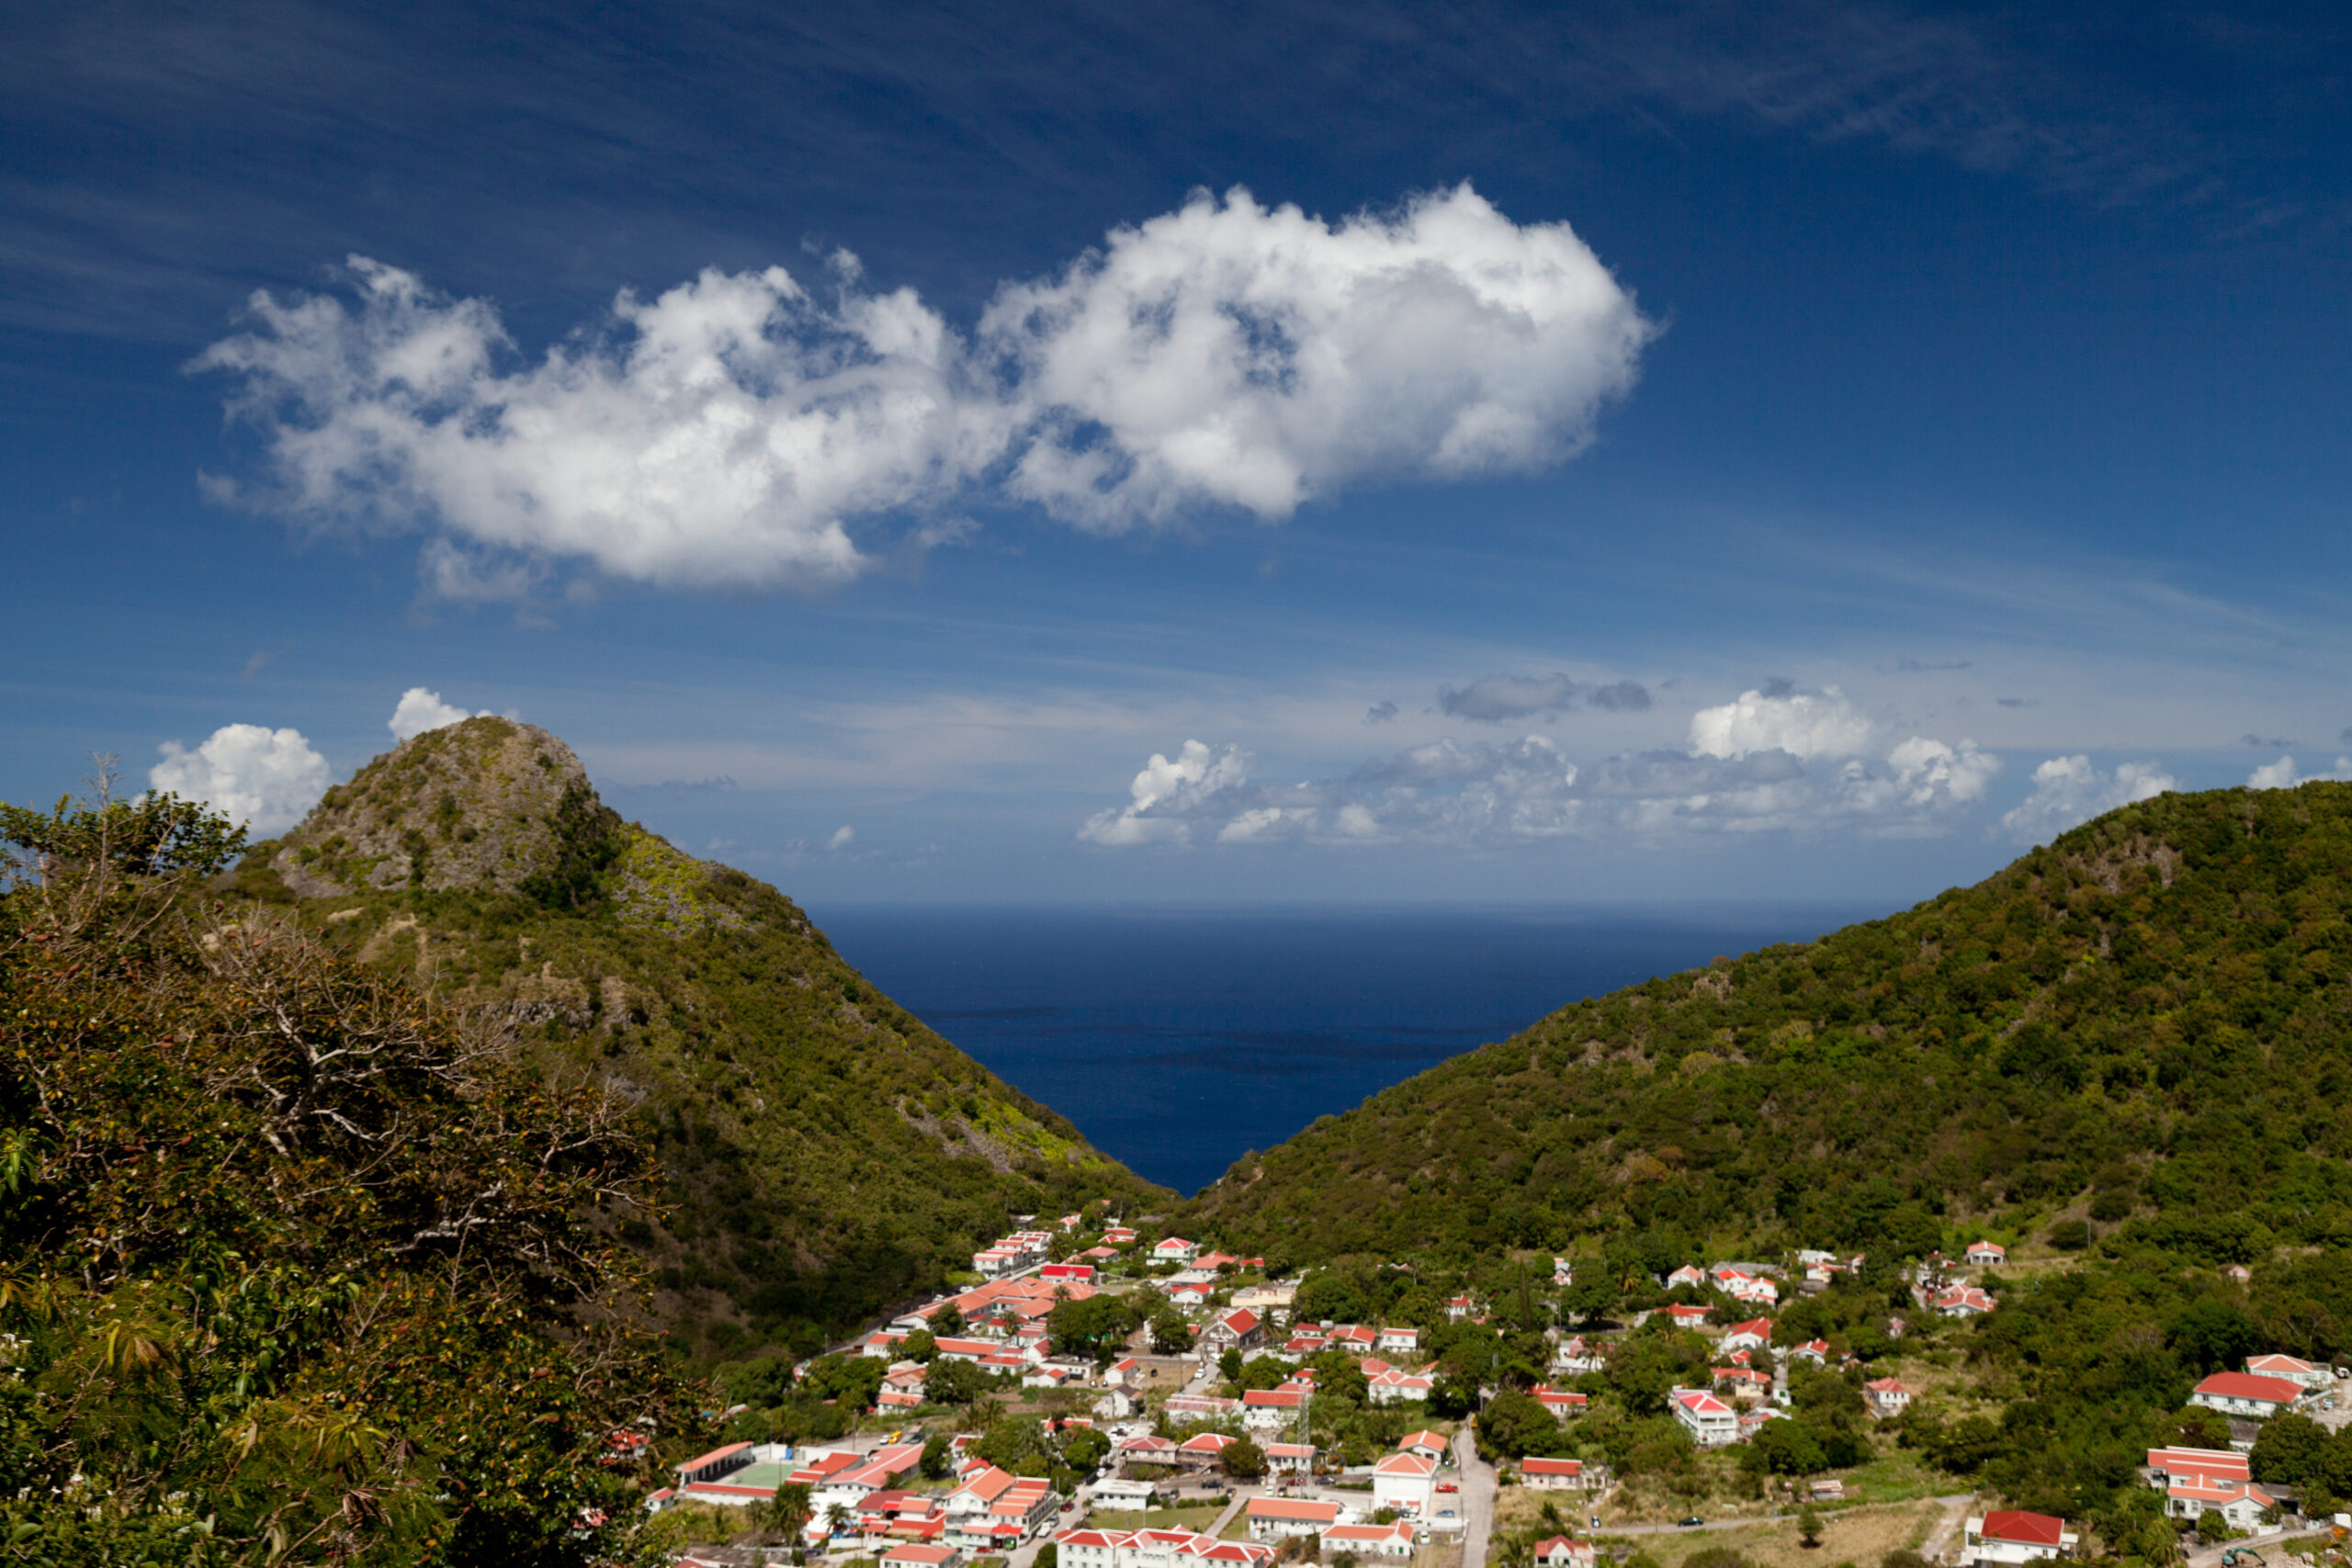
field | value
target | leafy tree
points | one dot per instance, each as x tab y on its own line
2209	1335
1785	1448
1172	1331
920	1346
938	1460
1808	1528
947	1322
1515	1425
951	1380
1084	1448
786	1514
1243	1460
1017	1443
1228	1361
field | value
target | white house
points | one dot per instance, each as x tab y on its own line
2240	1504
1272	1409
1753	1334
1710	1423
1963	1300
1986	1254
1430	1446
1395	1387
1175	1249
2166	1466
2244	1393
1689	1274
1400	1341
1291	1458
1406	1482
1563	1272
1814	1350
1886	1397
1279	1518
1561	1552
2012	1535
1553	1474
2312	1375
1561	1403
1370	1540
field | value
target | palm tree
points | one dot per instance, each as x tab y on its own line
787	1512
837	1519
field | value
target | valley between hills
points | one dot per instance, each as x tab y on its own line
456	1174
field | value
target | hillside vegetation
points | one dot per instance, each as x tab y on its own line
298	1268
825	1154
2134	1038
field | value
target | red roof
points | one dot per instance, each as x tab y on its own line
1293	1508
2246	1385
1240	1320
2028	1529
1538	1466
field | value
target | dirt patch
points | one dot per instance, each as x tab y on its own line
1852	1535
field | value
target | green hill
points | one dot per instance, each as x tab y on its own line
2137	1036
825	1154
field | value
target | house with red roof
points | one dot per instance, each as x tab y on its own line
2316	1376
1459	1308
1174	1249
1986	1254
1963	1301
1406	1482
1885	1396
1393	1540
1083	1273
2245	1394
1279	1518
1553	1474
1688	1316
1814	1350
1710	1423
1560	1551
1393	1387
1399	1341
1428	1444
1561	1401
2168	1465
922	1557
2012	1535
1238	1329
1291	1458
1186	1407
1753	1334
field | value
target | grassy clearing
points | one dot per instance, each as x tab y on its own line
1851	1535
1185	1515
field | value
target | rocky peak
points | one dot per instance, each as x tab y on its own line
487	804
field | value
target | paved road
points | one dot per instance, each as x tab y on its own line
1477	1499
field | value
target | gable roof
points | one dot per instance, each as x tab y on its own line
2246	1385
2026	1529
1304	1508
1406	1464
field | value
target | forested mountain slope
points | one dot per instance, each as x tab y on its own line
825	1153
2138	1034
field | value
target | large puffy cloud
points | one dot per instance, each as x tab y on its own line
266	779
1495	699
1528	791
749	429
2069	790
420	710
1803	724
721	433
1256	357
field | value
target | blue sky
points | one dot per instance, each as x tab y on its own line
1671	451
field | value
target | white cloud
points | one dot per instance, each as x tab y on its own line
743	429
2281	774
1803	724
1527	791
1166	795
2069	790
420	710
844	836
1233	355
268	779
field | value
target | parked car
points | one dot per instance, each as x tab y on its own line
1691	1522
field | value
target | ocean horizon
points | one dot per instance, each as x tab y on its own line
1179	1038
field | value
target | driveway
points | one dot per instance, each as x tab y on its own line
1477	1499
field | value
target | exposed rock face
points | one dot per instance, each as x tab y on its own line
485	803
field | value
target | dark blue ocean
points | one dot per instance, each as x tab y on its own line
1177	1039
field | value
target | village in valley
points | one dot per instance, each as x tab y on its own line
1098	1395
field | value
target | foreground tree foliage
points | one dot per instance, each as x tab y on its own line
297	1268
